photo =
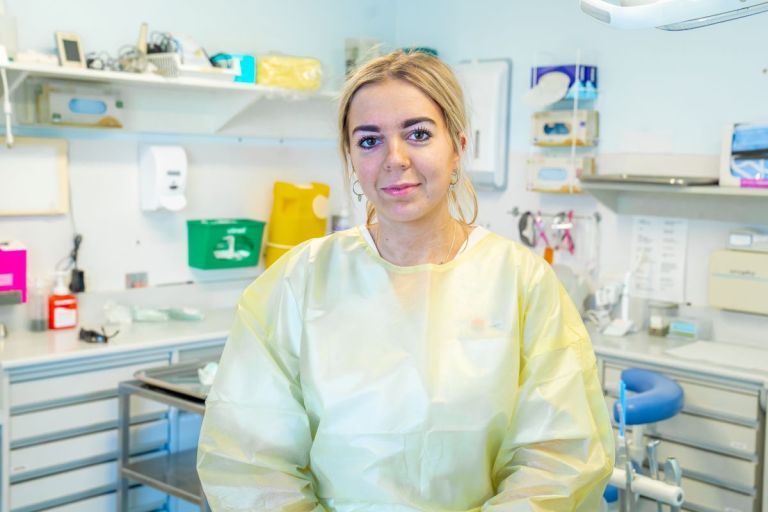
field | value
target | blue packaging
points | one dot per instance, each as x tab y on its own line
587	77
247	64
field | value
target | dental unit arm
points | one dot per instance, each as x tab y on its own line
656	398
640	485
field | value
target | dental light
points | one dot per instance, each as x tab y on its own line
670	14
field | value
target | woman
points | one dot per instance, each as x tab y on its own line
418	363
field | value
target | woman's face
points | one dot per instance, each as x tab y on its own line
401	150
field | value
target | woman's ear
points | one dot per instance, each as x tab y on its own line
463	141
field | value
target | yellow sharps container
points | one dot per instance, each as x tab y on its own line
299	212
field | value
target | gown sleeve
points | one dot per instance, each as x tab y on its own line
253	453
558	452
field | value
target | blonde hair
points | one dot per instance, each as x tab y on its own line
436	80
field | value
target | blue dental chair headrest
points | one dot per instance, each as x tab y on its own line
656	397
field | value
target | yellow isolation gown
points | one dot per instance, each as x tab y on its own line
352	384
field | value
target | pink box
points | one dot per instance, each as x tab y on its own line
13	268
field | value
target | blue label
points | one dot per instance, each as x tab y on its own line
86	106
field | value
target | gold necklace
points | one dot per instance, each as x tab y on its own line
377	240
450	249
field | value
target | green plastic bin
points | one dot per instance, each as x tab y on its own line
224	243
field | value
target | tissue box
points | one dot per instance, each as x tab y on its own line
558	173
224	243
13	268
565	127
86	106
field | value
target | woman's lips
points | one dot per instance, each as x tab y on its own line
400	190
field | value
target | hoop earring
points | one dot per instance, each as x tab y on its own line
359	195
454	180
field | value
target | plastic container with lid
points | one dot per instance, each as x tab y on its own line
299	212
660	316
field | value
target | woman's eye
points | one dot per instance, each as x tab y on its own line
420	135
367	142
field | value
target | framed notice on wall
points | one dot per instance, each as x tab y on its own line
34	177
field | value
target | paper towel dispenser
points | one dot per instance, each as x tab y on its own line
738	281
487	89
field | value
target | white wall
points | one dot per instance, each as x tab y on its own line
293	27
226	178
661	93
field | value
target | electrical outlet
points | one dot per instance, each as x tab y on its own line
136	280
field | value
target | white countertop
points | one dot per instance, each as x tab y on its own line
644	348
23	348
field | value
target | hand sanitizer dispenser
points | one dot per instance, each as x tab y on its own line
162	177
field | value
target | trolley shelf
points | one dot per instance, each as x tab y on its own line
174	474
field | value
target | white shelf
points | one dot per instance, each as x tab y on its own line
151	79
155	104
704	190
730	204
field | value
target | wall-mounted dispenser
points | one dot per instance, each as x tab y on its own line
487	86
162	177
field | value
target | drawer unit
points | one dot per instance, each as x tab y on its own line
66	487
198	353
40	491
729	471
707	433
718	439
33	394
84	417
710	433
141	499
81	450
60	444
704	398
702	496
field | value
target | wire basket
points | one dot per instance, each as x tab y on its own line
168	64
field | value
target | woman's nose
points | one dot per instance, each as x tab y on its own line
397	155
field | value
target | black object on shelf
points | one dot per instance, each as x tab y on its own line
10	298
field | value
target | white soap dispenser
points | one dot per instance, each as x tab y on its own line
162	177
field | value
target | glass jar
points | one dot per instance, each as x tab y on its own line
37	304
660	314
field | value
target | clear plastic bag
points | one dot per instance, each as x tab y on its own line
289	72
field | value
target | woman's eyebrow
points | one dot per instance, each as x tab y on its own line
366	128
416	120
404	124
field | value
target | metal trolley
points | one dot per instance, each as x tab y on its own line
174	473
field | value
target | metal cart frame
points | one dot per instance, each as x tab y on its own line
175	473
